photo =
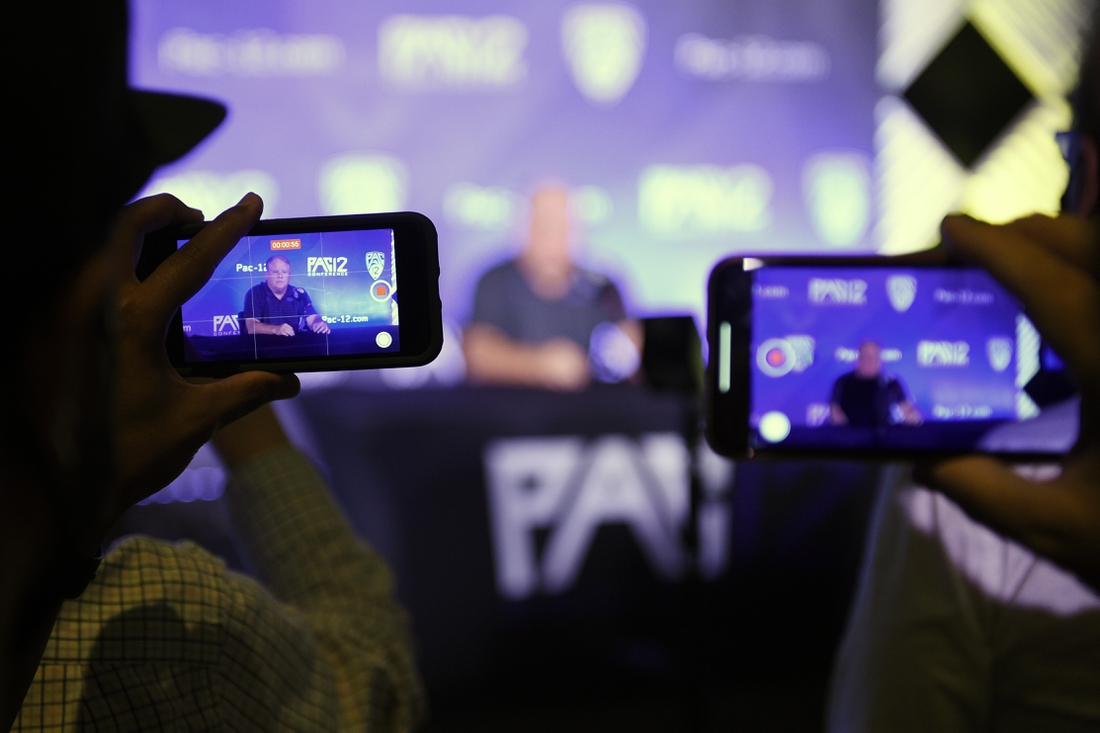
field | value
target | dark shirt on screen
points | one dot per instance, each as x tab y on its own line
866	402
264	306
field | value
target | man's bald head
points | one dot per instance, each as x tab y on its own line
547	257
869	364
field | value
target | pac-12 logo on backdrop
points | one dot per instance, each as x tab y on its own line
549	496
902	290
604	44
943	354
836	291
999	351
375	262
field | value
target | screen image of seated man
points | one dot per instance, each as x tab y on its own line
538	317
866	396
275	307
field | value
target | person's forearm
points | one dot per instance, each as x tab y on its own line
255	327
302	548
249	437
634	331
495	358
288	523
297	538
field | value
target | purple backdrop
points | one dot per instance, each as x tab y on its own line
688	130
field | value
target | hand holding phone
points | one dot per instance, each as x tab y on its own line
160	420
873	358
1053	267
1039	272
321	293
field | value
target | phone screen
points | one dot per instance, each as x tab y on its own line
874	358
286	296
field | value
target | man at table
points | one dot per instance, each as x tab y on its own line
535	317
276	308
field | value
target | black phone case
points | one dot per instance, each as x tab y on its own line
729	300
421	325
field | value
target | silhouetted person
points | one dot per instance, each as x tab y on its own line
154	635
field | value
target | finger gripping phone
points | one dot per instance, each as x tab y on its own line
310	294
874	358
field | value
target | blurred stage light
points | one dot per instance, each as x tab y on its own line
704	199
362	183
837	190
918	179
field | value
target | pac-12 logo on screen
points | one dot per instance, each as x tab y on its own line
835	291
902	290
777	357
999	351
227	325
327	266
375	262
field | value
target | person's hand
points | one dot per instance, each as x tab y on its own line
319	326
250	437
284	329
1053	267
160	420
563	365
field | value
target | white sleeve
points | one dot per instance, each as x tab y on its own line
913	657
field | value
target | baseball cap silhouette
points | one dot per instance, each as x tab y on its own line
70	92
81	141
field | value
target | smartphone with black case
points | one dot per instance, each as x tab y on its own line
888	358
310	294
